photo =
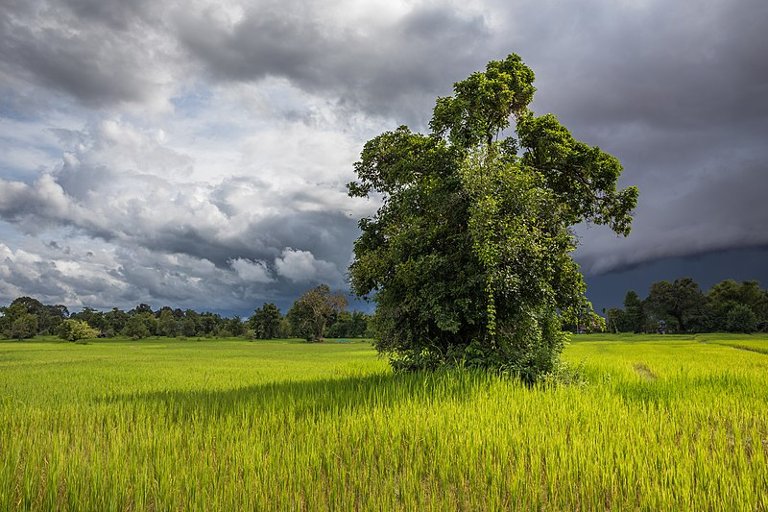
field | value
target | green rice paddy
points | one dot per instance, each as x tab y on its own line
661	423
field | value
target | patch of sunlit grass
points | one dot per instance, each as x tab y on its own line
663	423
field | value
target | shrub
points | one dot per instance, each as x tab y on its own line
741	318
73	330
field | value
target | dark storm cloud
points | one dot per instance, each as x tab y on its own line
670	66
329	235
683	72
387	69
722	210
678	91
117	14
100	53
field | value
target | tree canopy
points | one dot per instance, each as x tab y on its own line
265	322
314	311
469	255
315	314
74	330
681	306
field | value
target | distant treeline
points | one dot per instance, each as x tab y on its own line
317	314
682	307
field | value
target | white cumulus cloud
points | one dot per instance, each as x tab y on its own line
251	271
302	267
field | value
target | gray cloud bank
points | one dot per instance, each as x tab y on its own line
240	239
237	193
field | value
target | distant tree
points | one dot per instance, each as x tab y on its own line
349	325
167	325
5	323
51	317
191	323
188	326
18	310
582	319
341	326
359	325
285	330
745	292
741	318
136	327
314	311
234	326
726	295
265	322
116	320
681	304
634	313
762	316
221	331
26	305
208	324
94	318
615	320
74	330
141	308
24	326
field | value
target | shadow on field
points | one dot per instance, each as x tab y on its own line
301	399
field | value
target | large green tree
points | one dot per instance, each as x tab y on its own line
469	255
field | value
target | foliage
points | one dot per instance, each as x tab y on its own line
728	294
163	322
635	316
349	325
314	311
265	322
582	319
615	320
728	306
741	319
74	330
468	257
48	317
25	325
167	325
681	302
234	326
136	327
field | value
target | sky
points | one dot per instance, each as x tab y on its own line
195	153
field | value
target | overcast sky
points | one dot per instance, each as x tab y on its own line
194	153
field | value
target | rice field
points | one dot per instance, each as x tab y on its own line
661	423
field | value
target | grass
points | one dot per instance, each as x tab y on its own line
664	423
